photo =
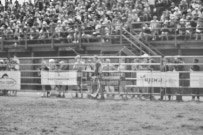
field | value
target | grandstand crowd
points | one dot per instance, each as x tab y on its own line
73	19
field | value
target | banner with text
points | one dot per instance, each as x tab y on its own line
196	79
157	79
59	78
10	80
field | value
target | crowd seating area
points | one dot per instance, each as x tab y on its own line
73	21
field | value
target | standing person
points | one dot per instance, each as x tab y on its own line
97	78
3	68
108	67
179	67
52	68
144	68
195	91
15	63
15	66
165	68
89	69
152	68
79	66
62	88
134	75
45	88
122	67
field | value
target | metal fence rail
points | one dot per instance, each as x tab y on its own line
125	82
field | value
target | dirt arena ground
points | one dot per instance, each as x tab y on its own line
29	114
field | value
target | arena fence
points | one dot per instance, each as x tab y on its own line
124	75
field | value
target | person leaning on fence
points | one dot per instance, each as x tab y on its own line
79	67
165	68
108	83
15	63
122	67
135	68
45	88
62	88
145	68
3	68
195	91
152	68
89	68
179	67
15	66
52	68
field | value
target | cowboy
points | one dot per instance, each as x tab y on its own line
79	66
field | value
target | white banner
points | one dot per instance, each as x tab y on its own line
10	80
196	79
59	78
157	79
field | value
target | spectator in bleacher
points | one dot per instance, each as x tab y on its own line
183	6
44	13
154	25
145	33
164	31
195	91
189	31
199	30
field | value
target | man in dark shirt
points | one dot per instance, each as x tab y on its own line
46	88
195	91
97	88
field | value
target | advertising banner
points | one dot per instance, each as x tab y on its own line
157	79
59	78
10	80
196	79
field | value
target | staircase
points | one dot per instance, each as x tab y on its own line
137	46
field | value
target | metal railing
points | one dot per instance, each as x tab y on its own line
126	79
81	36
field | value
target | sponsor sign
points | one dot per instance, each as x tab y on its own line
196	79
10	80
59	78
157	79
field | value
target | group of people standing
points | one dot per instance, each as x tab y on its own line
95	69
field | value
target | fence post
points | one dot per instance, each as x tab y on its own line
2	44
121	31
26	46
80	36
52	37
175	38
